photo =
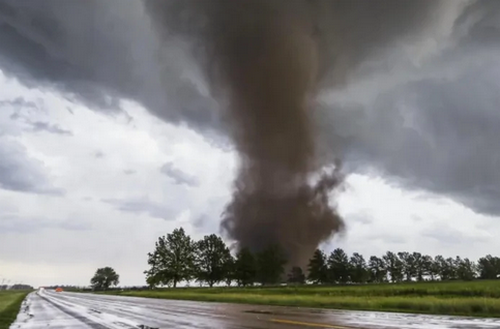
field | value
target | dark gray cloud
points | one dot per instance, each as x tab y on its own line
23	110
449	235
144	206
50	128
15	116
201	221
19	172
98	154
15	224
434	134
53	45
435	129
39	126
19	102
416	218
360	218
178	176
129	171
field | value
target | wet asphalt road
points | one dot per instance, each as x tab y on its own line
86	311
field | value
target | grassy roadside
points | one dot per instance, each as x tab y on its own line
10	303
479	298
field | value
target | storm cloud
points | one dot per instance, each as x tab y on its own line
415	102
144	206
21	173
50	128
435	126
178	176
99	52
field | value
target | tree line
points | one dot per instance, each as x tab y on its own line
16	287
178	258
338	267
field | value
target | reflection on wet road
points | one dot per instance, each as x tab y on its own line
83	311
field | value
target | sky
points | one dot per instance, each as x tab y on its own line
92	171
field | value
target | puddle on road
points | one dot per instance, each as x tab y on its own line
259	312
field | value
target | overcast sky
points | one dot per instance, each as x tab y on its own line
93	179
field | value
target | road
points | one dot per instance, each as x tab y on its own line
48	309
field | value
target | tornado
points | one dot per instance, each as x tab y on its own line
268	66
265	62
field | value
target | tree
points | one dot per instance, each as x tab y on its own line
428	267
270	265
338	266
153	275
409	264
377	268
465	269
489	267
394	266
152	280
172	260
104	278
211	253
447	269
318	270
229	270
452	268
358	269
245	267
296	276
419	267
441	267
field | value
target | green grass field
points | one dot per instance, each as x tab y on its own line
478	298
10	303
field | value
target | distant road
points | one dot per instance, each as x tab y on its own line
83	311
